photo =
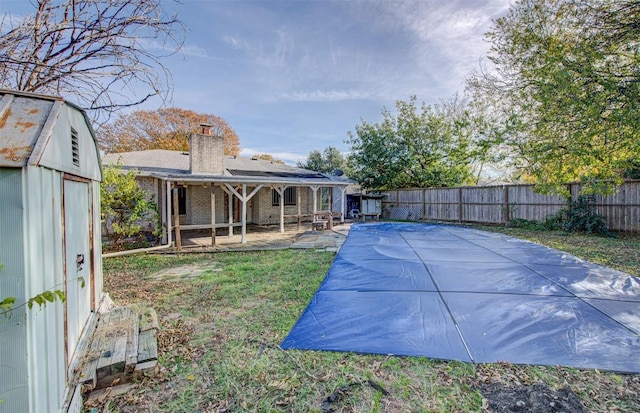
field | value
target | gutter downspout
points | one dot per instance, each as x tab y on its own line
169	208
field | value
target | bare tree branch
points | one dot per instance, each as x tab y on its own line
104	54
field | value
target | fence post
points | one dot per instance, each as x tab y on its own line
571	195
506	205
460	204
424	204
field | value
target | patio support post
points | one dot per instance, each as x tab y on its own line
280	190
343	191
299	207
168	203
176	217
230	207
330	223
244	213
213	215
244	198
315	188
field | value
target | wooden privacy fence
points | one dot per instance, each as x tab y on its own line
500	204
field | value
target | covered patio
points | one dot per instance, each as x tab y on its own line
234	198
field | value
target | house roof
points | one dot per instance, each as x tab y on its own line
174	166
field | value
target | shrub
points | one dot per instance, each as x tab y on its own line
550	224
581	216
125	206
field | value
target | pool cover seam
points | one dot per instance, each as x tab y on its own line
455	322
438	290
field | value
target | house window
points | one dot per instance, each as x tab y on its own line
75	149
182	200
290	196
324	199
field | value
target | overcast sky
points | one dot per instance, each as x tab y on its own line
292	76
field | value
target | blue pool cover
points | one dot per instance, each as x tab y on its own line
456	293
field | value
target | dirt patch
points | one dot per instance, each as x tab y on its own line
537	398
187	271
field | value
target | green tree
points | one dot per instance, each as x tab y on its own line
417	147
566	80
124	205
326	161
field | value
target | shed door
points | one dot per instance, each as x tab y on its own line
77	213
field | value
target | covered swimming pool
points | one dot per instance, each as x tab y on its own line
457	293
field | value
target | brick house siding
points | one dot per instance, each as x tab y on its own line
265	213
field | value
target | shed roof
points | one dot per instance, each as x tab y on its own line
27	121
174	165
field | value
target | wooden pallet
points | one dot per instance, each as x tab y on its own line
119	351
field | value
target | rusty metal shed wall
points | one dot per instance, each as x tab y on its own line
32	244
44	270
13	335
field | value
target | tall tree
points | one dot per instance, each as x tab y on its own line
102	54
327	161
566	79
418	147
162	129
267	157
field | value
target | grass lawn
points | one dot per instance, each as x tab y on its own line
220	331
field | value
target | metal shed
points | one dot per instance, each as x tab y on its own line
49	240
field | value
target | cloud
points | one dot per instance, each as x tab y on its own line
443	42
167	48
324	95
270	52
291	69
236	43
195	51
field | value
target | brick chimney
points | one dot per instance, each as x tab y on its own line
206	152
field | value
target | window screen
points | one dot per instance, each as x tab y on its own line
290	196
